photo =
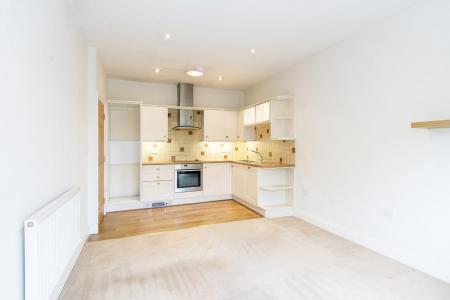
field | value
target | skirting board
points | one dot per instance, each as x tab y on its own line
62	281
439	271
180	201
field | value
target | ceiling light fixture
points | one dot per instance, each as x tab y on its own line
168	36
220	77
252	50
195	72
157	70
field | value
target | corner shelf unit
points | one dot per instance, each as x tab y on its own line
431	124
276	191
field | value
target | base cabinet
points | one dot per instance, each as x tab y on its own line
216	179
245	183
157	183
157	190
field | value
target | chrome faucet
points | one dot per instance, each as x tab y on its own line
261	159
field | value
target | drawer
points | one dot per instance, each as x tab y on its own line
157	190
156	173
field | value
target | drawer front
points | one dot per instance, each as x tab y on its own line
157	190
155	173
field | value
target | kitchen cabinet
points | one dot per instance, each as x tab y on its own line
157	190
158	172
245	183
157	182
249	115
213	125
154	124
245	133
216	179
231	125
220	125
262	112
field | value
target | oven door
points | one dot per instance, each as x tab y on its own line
188	181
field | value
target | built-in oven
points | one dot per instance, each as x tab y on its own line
188	178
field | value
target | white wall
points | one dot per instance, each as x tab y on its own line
166	94
97	90
362	172
43	120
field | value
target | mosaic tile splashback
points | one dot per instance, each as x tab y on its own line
188	145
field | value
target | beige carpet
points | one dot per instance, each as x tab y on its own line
254	259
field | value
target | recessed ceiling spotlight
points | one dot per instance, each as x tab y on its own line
157	70
220	77
195	72
252	50
168	36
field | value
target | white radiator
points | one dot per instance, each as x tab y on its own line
53	242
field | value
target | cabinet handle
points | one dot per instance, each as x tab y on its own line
157	169
157	176
248	168
158	182
227	136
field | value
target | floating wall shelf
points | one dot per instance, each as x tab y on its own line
431	124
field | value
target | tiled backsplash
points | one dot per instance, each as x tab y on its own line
188	145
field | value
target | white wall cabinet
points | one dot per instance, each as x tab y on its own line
245	133
154	124
231	125
262	112
216	179
249	116
220	125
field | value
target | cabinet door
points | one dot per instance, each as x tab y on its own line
154	124
245	133
251	185
157	190
238	181
249	116
231	125
262	112
213	125
216	179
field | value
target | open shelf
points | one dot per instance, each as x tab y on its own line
431	124
272	188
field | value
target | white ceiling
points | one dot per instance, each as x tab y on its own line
218	35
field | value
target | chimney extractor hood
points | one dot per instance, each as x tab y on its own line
185	99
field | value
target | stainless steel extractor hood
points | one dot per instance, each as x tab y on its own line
185	99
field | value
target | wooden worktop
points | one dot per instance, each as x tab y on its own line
264	165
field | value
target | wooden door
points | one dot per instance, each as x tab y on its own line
101	161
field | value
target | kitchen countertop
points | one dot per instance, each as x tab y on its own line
264	165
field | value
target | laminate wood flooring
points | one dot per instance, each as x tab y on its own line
282	258
141	221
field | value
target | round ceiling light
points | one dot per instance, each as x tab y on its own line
220	77
194	72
